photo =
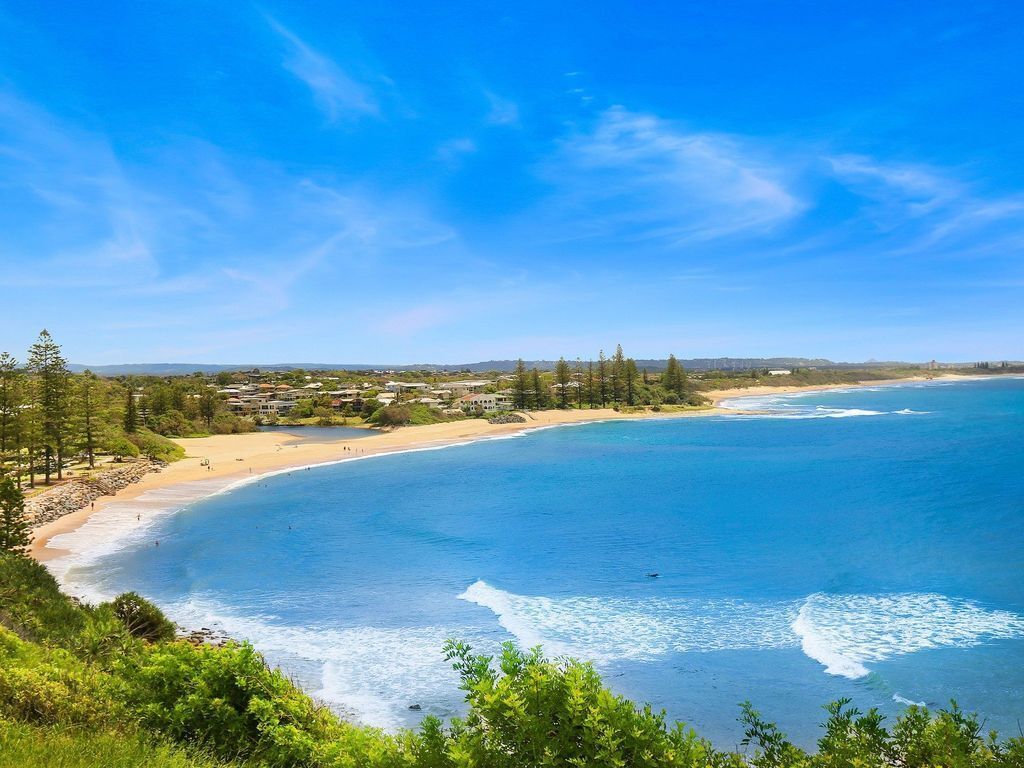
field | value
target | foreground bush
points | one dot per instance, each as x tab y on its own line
142	619
66	666
23	746
410	413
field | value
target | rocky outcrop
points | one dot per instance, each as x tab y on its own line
79	492
507	418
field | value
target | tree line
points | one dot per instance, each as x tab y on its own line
614	381
50	416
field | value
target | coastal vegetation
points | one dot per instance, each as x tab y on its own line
84	685
52	419
408	414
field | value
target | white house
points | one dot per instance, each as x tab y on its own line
779	372
405	386
462	388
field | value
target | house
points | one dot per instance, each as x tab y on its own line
486	402
462	388
779	372
405	386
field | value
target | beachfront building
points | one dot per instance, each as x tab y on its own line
779	372
463	388
478	403
486	402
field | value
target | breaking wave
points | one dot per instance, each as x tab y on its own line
370	673
843	633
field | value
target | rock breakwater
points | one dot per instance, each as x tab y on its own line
79	492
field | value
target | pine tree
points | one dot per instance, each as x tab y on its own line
540	395
590	383
208	407
578	377
670	380
631	377
11	398
53	382
30	430
88	413
131	412
618	375
602	378
520	385
14	530
562	378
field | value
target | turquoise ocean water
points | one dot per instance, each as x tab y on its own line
864	543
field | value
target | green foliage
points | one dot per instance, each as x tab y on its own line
535	712
408	414
951	739
156	446
32	605
25	746
225	699
119	446
50	686
76	685
14	530
141	618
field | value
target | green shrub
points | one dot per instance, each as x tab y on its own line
24	746
141	618
541	713
410	413
49	685
31	603
155	446
225	699
119	446
174	424
102	637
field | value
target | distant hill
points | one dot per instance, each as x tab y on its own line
501	366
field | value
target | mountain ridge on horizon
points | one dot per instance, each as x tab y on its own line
501	366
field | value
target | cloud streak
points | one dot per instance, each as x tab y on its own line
338	95
635	176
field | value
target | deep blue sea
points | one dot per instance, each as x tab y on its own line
862	543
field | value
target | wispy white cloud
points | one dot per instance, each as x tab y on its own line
82	215
636	177
338	94
501	111
929	208
453	150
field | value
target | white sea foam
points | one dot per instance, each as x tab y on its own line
818	412
846	632
371	673
907	702
606	629
119	524
842	632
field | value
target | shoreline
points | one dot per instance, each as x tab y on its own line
234	460
242	458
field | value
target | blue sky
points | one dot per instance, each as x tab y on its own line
451	182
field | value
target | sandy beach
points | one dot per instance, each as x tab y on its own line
236	457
